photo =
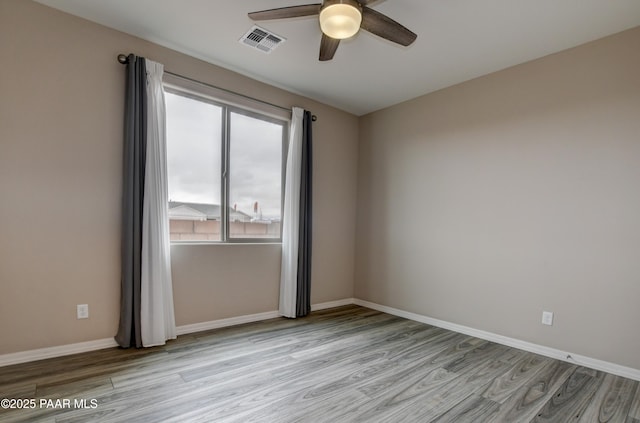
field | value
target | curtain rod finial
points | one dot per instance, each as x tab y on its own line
122	58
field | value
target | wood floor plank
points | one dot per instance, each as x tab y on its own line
348	364
439	401
319	412
77	365
116	405
18	390
634	411
229	400
252	354
506	385
470	359
259	399
612	400
473	409
526	401
415	364
420	381
572	399
331	390
299	385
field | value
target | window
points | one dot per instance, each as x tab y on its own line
225	167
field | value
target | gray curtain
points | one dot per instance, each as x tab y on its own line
135	128
303	291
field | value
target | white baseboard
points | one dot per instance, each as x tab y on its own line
62	350
232	321
332	304
59	351
222	323
569	357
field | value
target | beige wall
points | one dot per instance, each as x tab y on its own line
488	202
61	110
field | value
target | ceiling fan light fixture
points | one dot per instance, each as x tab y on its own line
340	19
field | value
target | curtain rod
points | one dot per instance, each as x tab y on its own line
123	59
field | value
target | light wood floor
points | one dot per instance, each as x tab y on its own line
348	364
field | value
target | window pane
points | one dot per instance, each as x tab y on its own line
255	177
194	130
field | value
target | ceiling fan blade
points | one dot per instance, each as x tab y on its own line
286	12
366	2
385	27
328	47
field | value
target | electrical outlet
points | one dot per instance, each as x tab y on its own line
547	318
82	311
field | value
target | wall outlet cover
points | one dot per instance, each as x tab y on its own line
547	318
82	311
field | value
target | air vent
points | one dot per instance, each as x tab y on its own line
262	39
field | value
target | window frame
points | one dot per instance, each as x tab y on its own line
232	103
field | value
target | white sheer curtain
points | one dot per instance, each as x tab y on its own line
157	320
291	218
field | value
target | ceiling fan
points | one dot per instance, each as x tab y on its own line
341	19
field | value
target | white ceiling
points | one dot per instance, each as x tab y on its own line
457	40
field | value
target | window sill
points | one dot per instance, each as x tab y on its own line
218	243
